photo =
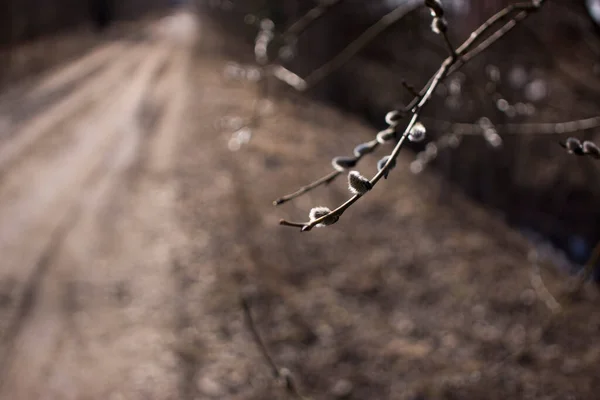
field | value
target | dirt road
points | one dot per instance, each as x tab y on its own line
134	212
87	221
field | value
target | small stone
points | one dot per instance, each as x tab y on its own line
210	387
342	388
570	366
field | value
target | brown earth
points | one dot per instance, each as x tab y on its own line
132	222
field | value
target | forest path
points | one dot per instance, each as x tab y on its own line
88	223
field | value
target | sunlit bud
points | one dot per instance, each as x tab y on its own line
343	163
365	148
386	135
358	184
439	25
318	212
417	132
393	117
573	146
591	149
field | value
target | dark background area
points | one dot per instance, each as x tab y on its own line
544	71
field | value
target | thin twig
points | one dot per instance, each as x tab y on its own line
545	128
588	270
322	181
278	373
492	39
299	26
302	23
569	290
276	70
449	45
499	16
537	282
410	89
365	38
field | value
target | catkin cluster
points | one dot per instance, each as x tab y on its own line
585	148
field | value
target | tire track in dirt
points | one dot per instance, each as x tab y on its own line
21	103
95	89
65	74
164	143
100	141
39	191
78	68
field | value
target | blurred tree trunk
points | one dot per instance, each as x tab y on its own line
22	20
101	13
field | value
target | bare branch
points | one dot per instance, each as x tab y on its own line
585	148
282	374
537	282
545	128
365	38
312	15
457	58
322	181
589	268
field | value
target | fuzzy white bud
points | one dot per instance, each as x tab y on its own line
319	212
436	7
573	144
386	135
358	184
591	149
365	148
343	163
417	132
439	25
393	117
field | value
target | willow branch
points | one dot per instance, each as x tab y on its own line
457	58
278	373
